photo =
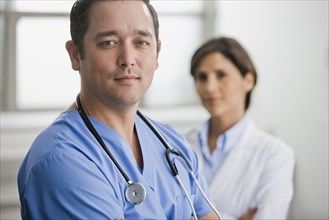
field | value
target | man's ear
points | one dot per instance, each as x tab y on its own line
158	52
249	82
158	47
74	54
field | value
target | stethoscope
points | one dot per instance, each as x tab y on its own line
135	192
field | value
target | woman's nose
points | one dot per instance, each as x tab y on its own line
211	84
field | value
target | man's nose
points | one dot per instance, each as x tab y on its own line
127	56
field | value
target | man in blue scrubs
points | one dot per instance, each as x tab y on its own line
66	173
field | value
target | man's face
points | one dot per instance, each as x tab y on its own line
120	52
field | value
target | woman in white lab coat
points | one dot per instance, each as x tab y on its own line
249	172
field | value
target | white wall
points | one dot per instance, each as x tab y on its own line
288	41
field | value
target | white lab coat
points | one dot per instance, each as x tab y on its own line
258	172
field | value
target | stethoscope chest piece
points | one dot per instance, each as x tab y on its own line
135	193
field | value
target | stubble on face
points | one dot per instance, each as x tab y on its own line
104	71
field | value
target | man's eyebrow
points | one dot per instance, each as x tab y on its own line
143	33
116	33
105	34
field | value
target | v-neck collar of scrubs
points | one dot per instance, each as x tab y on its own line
146	145
144	139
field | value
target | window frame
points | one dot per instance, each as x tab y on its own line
9	19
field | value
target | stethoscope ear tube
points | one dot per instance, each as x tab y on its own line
204	195
198	186
180	183
155	131
172	165
174	169
169	149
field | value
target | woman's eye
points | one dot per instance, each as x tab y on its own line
200	77
220	75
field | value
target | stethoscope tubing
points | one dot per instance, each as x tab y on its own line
99	139
169	150
198	186
154	130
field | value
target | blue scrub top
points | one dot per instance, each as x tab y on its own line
67	175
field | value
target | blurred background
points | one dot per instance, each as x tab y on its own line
288	41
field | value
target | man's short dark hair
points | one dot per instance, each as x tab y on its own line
79	18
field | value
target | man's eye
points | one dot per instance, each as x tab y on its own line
107	43
142	43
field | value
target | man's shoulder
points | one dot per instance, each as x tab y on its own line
46	143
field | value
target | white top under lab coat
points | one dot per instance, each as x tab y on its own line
258	172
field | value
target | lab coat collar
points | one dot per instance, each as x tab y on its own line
225	142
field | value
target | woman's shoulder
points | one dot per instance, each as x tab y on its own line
264	140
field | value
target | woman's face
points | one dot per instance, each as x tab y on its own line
221	87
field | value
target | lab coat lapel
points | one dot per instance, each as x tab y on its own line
229	165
